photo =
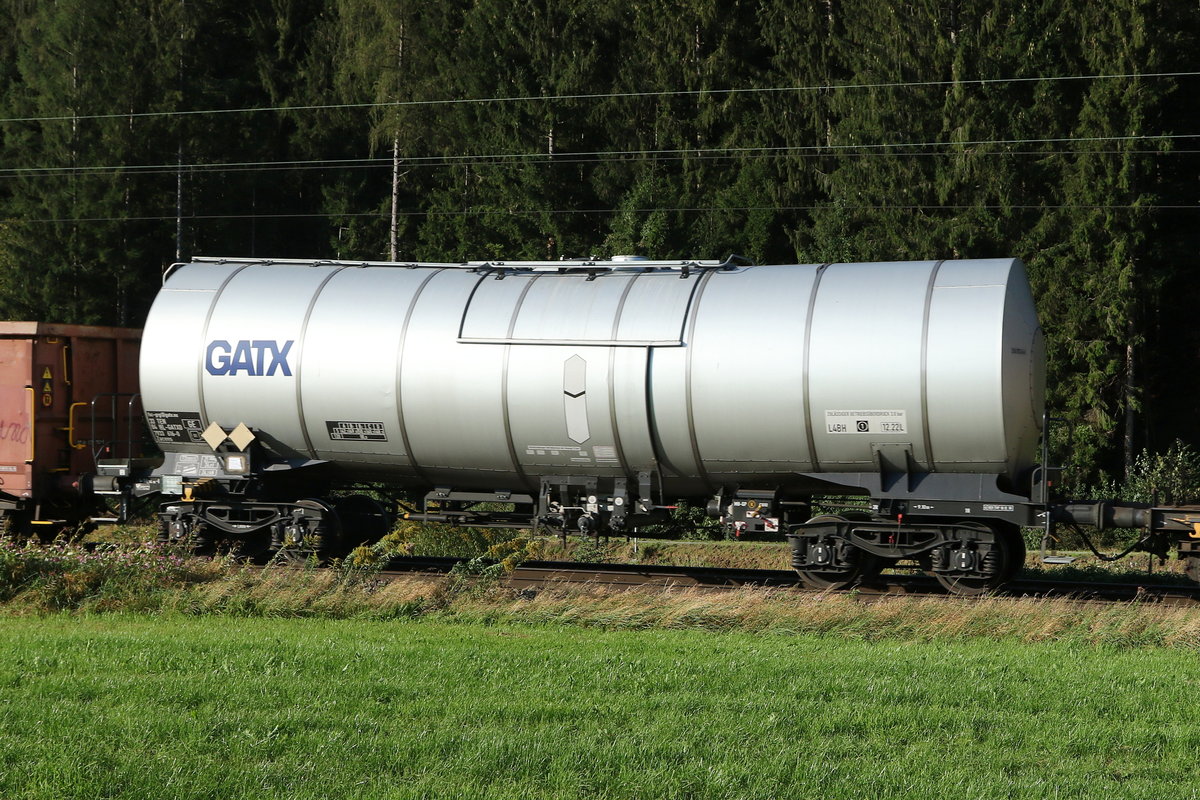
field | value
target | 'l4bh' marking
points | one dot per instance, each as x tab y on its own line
248	356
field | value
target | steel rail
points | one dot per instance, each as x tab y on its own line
547	574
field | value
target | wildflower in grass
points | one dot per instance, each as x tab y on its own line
513	552
64	575
433	539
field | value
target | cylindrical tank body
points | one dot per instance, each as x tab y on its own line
495	376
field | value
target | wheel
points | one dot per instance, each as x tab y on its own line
1017	551
1192	567
255	548
303	539
188	535
864	566
16	524
1005	558
363	518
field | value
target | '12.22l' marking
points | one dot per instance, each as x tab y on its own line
873	421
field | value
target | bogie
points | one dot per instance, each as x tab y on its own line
966	558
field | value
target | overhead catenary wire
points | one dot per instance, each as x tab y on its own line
601	96
495	211
387	163
886	149
596	156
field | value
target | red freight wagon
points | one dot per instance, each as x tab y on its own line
68	399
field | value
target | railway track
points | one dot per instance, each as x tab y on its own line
545	574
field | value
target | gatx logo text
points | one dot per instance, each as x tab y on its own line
248	356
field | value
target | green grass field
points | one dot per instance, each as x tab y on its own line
169	706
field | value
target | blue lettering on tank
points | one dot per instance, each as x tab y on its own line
241	359
219	365
252	357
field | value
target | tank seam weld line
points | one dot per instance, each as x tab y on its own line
612	369
408	315
508	439
815	465
300	361
694	313
212	307
928	437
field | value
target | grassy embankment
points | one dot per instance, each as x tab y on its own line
464	688
175	707
36	581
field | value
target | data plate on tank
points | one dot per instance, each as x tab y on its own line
195	465
349	431
181	427
876	421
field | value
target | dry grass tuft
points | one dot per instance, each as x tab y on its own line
45	581
850	615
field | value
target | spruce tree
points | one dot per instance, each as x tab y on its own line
68	253
1099	270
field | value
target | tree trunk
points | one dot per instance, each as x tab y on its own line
392	233
1130	389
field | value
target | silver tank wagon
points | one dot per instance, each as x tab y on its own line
594	393
489	375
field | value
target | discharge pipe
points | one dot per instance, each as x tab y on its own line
1102	514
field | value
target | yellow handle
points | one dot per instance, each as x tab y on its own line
70	429
32	426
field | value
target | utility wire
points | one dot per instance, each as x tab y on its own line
595	156
386	163
583	211
600	96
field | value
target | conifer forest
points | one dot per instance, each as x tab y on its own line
1065	133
